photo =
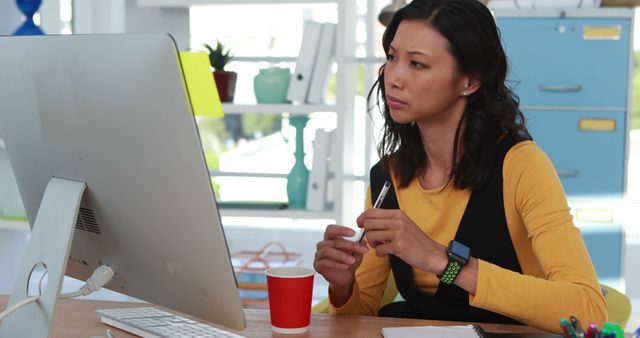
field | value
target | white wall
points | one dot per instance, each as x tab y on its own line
631	272
120	16
10	17
98	16
50	16
13	244
172	20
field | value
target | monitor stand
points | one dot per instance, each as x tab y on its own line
47	251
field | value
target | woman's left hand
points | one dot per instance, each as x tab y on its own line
391	231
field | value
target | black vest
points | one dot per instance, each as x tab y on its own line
483	228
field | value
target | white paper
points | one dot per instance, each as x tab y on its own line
463	331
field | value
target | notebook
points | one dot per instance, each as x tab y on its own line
461	331
523	335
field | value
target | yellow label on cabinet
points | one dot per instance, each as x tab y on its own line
597	125
601	32
594	215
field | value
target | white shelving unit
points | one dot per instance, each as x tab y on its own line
285	213
173	16
343	142
274	108
187	3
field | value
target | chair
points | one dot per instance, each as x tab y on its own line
618	305
389	295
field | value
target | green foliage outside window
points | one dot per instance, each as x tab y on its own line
213	135
360	90
216	138
261	124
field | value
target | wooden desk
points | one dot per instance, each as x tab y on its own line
76	318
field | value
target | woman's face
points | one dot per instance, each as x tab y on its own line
421	80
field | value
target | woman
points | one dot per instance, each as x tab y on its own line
477	227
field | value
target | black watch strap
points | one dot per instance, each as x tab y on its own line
450	272
458	257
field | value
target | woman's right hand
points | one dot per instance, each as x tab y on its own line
337	259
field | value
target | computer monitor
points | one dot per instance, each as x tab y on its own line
111	113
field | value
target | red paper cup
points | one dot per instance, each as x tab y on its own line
290	291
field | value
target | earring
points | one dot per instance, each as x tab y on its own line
466	86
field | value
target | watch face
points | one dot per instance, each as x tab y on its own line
459	251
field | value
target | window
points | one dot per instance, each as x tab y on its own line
247	142
55	17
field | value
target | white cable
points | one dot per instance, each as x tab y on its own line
109	335
100	277
17	305
69	295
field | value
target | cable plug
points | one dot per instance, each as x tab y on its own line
100	277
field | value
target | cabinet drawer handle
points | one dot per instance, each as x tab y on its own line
568	173
560	88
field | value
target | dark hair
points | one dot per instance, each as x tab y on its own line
492	111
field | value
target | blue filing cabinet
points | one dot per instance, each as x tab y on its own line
572	71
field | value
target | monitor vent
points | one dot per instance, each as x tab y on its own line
77	260
87	221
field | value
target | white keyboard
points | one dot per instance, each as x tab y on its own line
149	322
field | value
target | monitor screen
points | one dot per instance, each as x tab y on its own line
112	111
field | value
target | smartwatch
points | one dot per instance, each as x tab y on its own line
458	257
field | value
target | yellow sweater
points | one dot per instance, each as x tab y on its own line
558	277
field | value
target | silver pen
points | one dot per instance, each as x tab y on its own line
379	200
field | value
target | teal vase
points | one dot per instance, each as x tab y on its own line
271	85
298	178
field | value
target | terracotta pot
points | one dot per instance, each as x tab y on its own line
226	83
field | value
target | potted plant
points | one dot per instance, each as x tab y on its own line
225	80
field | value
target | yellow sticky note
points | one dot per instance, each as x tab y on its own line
201	87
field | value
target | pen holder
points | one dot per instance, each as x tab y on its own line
612	329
